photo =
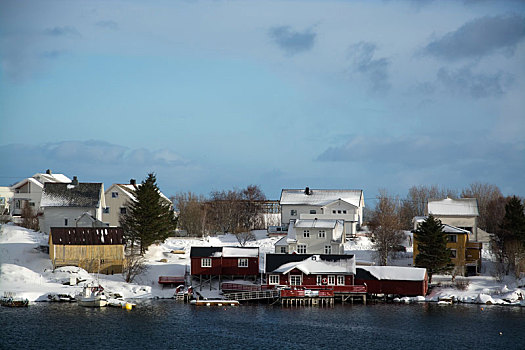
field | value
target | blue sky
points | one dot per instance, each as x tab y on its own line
212	95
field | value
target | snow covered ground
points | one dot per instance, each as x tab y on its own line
26	270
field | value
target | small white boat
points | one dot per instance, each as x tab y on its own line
92	296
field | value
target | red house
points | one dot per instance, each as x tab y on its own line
232	262
395	280
313	271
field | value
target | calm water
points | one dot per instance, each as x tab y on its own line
170	325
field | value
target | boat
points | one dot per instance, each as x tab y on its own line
214	302
12	302
92	296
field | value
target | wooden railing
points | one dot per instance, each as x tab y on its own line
244	287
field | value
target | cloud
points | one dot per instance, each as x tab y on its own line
427	152
62	31
464	81
480	37
374	69
108	24
292	42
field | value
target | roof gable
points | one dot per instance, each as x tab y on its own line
275	261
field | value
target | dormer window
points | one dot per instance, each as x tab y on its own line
114	194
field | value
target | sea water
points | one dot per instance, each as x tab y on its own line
166	324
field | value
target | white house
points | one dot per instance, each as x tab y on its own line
313	236
335	205
78	204
30	190
117	197
462	213
6	195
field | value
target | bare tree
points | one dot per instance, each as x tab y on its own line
134	265
29	217
485	194
415	203
192	213
385	226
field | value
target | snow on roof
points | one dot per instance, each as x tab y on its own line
231	252
314	265
320	197
129	190
52	178
282	241
315	223
454	229
454	207
65	195
399	273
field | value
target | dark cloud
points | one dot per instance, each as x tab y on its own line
480	37
374	69
292	42
108	25
465	82
62	31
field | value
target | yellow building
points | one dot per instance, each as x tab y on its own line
466	255
95	249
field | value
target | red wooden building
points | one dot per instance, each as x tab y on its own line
224	261
395	280
307	270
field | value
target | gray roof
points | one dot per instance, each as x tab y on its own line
85	194
453	207
320	197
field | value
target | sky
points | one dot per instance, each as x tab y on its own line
214	95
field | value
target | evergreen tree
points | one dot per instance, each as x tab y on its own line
432	246
149	218
513	223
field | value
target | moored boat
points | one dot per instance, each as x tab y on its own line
92	296
214	302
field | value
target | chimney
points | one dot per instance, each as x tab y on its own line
307	191
75	181
133	182
48	172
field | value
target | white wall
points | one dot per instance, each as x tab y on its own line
55	217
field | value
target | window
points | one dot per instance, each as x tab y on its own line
114	194
319	280
333	211
453	253
331	280
65	222
283	250
17	204
293	212
328	249
344	211
205	262
313	211
340	280
306	234
295	280
243	262
273	279
123	210
322	234
31	204
106	210
301	248
452	238
339	212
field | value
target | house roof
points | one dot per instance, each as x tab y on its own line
129	190
454	207
396	273
85	194
274	261
40	179
335	225
320	197
315	223
315	265
225	252
87	235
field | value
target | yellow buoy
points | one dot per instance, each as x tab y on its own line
128	306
